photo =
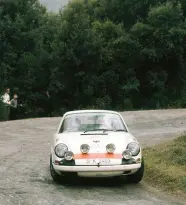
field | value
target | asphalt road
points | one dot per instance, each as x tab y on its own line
24	164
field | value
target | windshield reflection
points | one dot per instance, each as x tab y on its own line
85	122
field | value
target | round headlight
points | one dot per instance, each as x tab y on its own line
134	148
60	150
127	154
84	148
68	155
110	148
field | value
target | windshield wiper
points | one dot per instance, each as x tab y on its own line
104	130
120	130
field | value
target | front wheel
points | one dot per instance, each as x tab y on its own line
55	176
137	176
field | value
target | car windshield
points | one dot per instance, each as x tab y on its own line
92	121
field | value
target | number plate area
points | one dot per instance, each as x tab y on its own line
97	162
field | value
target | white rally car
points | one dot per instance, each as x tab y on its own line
95	143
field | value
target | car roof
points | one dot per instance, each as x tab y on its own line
90	111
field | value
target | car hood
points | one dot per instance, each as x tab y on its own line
96	140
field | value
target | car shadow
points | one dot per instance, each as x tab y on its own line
81	182
75	182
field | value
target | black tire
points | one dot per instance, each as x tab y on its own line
55	176
137	176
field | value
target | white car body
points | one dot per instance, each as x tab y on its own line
97	162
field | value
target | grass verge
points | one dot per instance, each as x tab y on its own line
166	166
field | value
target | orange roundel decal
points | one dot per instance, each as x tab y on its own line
98	155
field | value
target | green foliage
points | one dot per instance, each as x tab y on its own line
163	161
103	54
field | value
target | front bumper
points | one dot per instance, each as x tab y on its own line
96	168
102	171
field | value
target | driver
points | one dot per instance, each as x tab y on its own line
104	123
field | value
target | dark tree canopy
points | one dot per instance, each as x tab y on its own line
124	54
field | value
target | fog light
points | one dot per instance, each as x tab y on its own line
68	155
110	148
84	148
127	154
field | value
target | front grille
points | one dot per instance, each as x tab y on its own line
130	161
64	162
